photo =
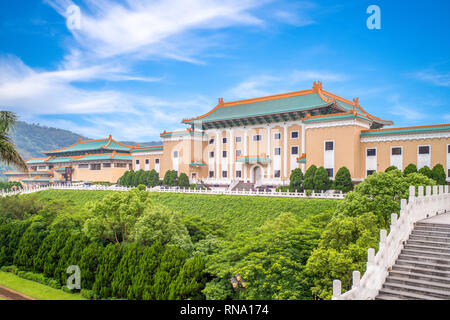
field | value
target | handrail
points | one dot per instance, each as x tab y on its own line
435	201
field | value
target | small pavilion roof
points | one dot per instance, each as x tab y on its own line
89	145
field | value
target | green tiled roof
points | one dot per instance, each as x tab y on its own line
43	173
42	160
94	157
108	144
152	148
60	169
336	117
197	164
180	133
57	160
302	160
406	130
14	173
122	157
296	103
253	159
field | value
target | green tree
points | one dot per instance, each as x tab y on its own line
8	151
53	256
296	179
153	178
183	180
29	244
308	183
44	249
113	218
108	262
125	271
10	234
158	223
426	171
410	168
391	168
89	263
343	180
170	178
439	174
321	179
342	249
190	281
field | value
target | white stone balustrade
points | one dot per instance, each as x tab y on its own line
419	206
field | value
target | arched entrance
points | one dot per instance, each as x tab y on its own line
257	174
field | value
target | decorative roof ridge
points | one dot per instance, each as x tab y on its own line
78	142
302	156
410	127
308	116
148	147
222	104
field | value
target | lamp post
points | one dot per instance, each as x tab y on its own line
238	283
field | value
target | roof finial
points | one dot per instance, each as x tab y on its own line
356	101
317	86
110	136
220	101
79	140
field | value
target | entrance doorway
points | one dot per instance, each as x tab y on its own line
257	175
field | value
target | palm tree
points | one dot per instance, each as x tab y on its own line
8	152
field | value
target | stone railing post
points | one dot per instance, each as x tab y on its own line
337	289
383	236
356	279
394	218
370	257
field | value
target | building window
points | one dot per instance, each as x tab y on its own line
137	161
329	145
211	174
42	167
238	153
294	135
448	148
147	161
211	154
277	151
175	154
294	150
211	141
257	137
130	166
424	149
238	174
224	140
157	161
448	173
107	165
369	172
277	135
117	165
224	174
83	166
371	152
330	172
277	173
397	151
95	166
238	139
224	154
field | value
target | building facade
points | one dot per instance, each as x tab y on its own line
103	160
261	140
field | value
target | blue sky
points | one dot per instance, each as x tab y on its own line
136	68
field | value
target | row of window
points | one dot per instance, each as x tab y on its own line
276	174
276	151
147	161
98	166
258	137
397	151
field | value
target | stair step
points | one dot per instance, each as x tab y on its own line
431	228
433	293
420	276
427	248
429	238
403	295
429	243
429	233
420	264
437	225
421	270
441	260
399	279
423	253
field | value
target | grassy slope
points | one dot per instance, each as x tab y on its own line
35	289
239	213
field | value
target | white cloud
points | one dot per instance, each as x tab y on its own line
263	85
406	112
154	28
440	79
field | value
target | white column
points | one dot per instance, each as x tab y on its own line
285	150
217	155
231	156
303	144
269	139
245	153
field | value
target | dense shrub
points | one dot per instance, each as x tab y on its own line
438	174
391	168
183	180
343	180
321	180
296	179
410	168
426	171
308	182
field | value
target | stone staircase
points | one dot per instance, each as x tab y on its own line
422	270
243	186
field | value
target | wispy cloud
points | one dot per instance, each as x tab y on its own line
440	79
267	84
